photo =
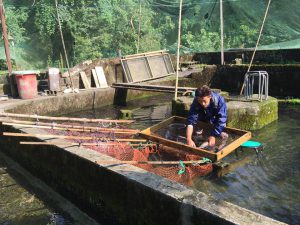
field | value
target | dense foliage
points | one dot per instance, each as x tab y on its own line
107	28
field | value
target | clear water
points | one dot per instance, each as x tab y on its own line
268	183
24	200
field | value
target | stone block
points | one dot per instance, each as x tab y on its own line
252	115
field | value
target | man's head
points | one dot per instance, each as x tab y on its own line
203	95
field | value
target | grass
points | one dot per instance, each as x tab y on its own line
295	101
3	72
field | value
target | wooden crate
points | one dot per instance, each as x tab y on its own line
151	134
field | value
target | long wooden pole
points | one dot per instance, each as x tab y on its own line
86	144
70	129
87	120
139	29
63	43
178	49
6	47
257	42
71	137
222	32
152	162
52	125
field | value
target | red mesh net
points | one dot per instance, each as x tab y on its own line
125	152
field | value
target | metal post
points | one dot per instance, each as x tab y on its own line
222	32
6	46
178	49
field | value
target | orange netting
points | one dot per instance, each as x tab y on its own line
126	152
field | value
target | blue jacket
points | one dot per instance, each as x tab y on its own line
215	113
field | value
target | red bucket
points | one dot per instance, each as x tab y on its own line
26	83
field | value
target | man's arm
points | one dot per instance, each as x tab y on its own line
189	132
191	121
220	123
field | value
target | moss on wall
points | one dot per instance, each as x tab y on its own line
295	101
252	115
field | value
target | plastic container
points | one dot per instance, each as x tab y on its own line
26	83
53	79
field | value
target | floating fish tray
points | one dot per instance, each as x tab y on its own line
171	132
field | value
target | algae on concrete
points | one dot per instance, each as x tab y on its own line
252	115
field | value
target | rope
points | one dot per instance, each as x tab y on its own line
260	33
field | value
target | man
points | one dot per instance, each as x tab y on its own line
209	107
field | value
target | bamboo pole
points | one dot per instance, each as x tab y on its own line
85	144
257	43
71	129
38	123
222	32
178	49
71	137
63	43
6	47
64	118
159	52
151	162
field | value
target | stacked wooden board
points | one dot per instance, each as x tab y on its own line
98	77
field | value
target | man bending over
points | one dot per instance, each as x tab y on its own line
209	107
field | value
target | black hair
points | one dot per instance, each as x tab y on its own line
203	91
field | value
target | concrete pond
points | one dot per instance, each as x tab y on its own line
130	194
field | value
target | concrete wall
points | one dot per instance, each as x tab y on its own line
283	79
282	56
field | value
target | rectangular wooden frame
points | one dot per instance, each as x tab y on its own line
146	58
149	133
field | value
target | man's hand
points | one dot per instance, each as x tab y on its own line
211	141
191	143
189	132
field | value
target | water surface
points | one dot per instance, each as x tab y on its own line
25	200
268	183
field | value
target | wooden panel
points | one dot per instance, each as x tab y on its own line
138	69
94	75
157	65
101	77
85	81
147	66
